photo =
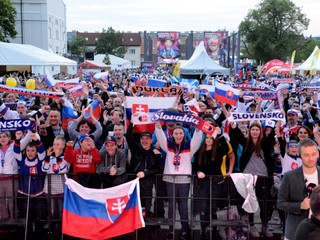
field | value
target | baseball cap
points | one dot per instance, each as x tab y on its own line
110	139
84	136
292	111
145	134
270	123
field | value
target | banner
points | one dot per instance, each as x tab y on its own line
168	50
17	125
216	45
195	121
36	93
292	60
101	213
276	115
161	90
265	95
144	107
250	87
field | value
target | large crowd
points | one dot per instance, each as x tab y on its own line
104	152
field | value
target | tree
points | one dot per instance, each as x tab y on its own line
78	46
304	52
110	42
273	30
7	21
106	59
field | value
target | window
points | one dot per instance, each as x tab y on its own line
132	51
57	50
56	22
131	39
133	63
57	34
87	39
96	39
50	34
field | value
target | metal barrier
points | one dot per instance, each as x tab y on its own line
213	209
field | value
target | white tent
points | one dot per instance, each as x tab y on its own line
201	63
310	63
116	62
41	61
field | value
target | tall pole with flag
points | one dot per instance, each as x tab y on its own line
292	60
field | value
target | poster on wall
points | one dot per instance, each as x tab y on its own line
216	44
168	47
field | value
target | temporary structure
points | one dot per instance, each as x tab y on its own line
116	62
200	63
40	61
312	62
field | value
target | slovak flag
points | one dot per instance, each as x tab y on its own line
101	213
67	113
94	108
226	93
76	91
192	106
143	109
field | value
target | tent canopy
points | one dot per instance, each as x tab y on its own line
42	61
311	62
93	64
116	62
201	63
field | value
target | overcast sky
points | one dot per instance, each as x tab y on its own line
171	15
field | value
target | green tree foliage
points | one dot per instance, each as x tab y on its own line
106	59
273	30
78	46
304	52
110	42
7	20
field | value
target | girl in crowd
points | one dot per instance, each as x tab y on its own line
178	162
257	159
8	166
208	161
55	165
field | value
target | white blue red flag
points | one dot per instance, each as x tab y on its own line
93	109
142	109
101	213
67	113
76	91
101	77
226	93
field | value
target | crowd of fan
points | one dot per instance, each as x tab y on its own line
102	153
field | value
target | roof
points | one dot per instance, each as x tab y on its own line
93	64
201	63
13	54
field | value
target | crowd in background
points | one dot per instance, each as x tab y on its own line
103	152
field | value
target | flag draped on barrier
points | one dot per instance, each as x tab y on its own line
101	213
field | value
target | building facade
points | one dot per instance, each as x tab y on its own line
41	23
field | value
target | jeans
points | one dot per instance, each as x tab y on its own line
181	191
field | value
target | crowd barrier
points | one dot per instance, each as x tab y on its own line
229	217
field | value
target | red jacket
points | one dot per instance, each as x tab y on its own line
81	161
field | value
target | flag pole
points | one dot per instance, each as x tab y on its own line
27	213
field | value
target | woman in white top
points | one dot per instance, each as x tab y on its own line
177	170
8	166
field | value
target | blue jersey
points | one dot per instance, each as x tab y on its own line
32	168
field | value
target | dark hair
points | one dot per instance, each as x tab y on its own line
315	201
202	155
183	141
307	129
85	121
249	144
